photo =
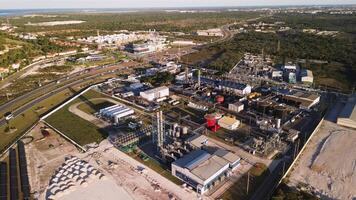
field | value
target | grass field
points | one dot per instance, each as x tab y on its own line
95	106
76	128
238	191
23	122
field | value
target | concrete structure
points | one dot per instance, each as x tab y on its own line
116	112
277	74
307	76
203	170
236	107
155	93
304	99
348	114
229	123
211	32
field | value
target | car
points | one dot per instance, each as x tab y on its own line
8	116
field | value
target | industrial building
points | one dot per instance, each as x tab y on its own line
306	76
229	123
116	112
202	170
155	93
305	100
226	85
347	116
236	107
237	88
277	74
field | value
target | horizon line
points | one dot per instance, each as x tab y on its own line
165	7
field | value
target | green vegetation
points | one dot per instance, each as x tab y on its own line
56	69
161	21
76	128
322	21
161	78
25	50
23	85
29	117
94	106
284	192
340	53
238	191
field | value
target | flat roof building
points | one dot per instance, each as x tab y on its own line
307	76
347	116
229	123
236	107
155	93
304	99
202	170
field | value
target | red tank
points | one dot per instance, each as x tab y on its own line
210	120
219	99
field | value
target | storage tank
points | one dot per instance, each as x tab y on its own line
219	99
210	120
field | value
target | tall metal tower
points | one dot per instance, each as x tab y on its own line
199	78
279	46
158	133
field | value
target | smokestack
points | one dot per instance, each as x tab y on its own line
198	77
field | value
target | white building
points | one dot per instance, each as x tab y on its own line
277	74
307	76
202	170
116	112
289	67
181	77
236	107
229	123
155	93
237	88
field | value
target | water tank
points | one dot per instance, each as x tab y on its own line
219	99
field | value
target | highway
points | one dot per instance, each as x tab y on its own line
74	79
29	67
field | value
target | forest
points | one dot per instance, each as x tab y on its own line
339	51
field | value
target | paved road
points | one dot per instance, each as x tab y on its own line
74	79
29	67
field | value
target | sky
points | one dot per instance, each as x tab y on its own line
33	4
